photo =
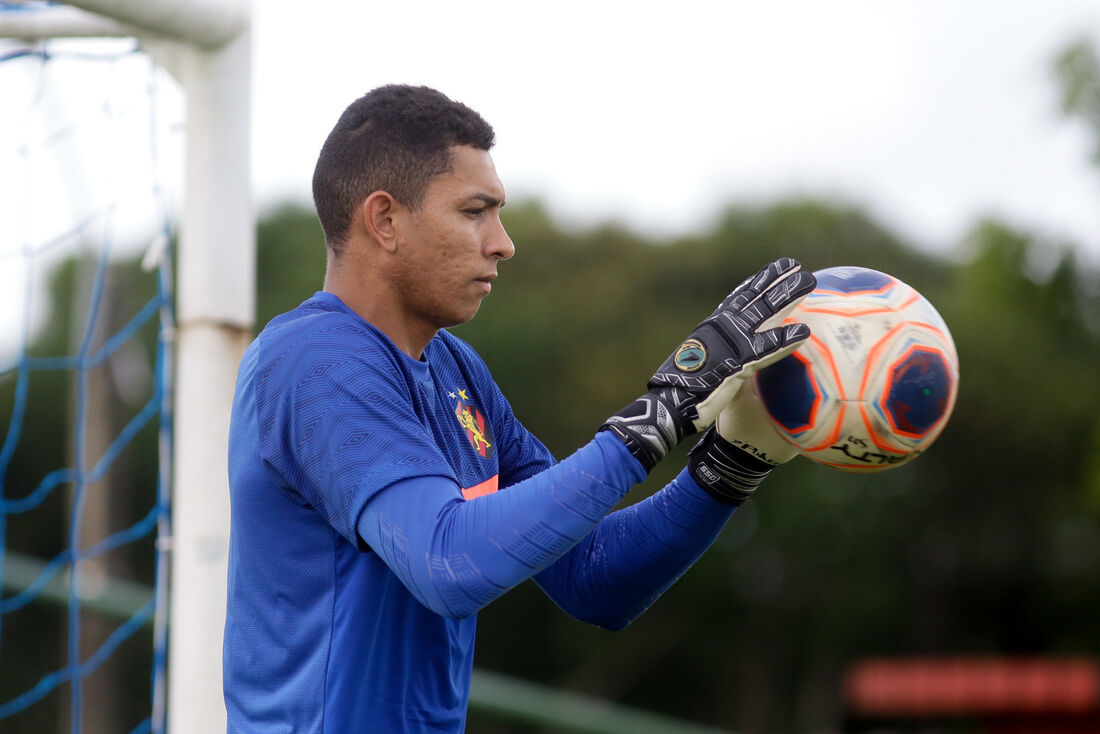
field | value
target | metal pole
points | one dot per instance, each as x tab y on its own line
209	24
59	22
216	302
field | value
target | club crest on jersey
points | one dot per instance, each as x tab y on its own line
690	356
478	432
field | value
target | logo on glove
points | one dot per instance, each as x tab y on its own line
690	356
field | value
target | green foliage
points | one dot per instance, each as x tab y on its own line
987	544
1078	72
290	263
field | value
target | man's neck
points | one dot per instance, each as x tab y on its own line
372	302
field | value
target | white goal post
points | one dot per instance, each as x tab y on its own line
206	46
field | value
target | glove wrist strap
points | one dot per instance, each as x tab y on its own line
727	473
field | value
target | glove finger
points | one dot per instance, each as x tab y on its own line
751	287
773	345
774	272
784	307
741	288
787	293
780	297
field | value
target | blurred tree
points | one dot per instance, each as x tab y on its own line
290	263
984	545
1077	70
990	543
987	544
1078	73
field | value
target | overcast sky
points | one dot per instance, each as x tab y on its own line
930	113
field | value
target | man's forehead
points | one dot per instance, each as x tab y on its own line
472	175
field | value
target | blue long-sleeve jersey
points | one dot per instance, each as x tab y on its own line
368	529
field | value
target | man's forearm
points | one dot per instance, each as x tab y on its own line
634	554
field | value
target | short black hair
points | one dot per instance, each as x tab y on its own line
394	138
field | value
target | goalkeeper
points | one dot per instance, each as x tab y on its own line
368	445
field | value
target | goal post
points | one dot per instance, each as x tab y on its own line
206	46
206	24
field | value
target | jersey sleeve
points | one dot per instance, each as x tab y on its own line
635	554
338	427
455	556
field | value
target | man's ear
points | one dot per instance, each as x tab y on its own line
376	215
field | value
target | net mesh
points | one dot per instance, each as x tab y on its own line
85	335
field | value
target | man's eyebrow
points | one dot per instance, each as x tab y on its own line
489	200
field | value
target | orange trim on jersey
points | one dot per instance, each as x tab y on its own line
489	486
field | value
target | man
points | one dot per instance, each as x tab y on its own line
368	445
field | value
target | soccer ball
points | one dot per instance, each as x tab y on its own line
875	383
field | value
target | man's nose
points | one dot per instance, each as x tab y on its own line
500	245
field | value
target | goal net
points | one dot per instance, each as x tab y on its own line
85	325
126	299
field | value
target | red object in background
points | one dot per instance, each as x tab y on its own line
972	687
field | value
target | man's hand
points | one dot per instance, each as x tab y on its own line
700	378
742	448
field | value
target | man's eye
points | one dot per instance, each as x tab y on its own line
474	212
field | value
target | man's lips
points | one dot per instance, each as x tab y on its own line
486	281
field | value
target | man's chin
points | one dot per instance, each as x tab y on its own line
457	319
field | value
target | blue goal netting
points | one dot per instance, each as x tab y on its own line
86	325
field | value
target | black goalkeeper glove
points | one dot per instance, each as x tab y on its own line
700	378
739	450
